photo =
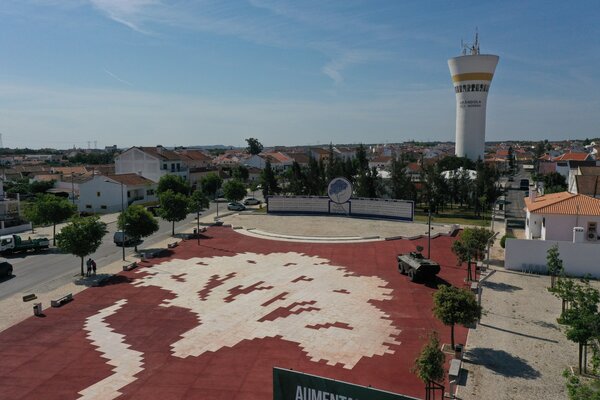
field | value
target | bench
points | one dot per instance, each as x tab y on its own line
29	297
63	300
172	245
454	370
129	267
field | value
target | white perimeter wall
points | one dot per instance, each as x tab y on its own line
383	208
578	258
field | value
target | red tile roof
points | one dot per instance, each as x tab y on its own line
130	179
573	156
161	153
564	203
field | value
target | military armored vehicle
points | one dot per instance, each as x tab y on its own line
417	267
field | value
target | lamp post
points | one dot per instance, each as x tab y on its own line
122	211
429	232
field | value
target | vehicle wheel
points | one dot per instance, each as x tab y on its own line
401	269
10	272
411	275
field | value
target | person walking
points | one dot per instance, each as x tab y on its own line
89	267
93	267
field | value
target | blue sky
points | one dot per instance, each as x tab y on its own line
147	72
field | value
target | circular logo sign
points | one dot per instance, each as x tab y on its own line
339	190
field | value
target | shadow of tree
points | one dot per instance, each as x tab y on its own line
501	286
502	363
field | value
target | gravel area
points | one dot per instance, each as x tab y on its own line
331	226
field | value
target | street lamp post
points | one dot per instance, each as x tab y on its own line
429	233
122	211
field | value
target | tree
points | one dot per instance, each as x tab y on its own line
471	245
210	184
554	183
453	306
50	209
429	365
137	222
174	183
81	237
511	159
582	319
368	184
240	173
580	390
173	207
198	201
555	264
254	146
268	180
297	180
234	190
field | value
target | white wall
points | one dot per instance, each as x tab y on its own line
560	227
578	258
136	161
110	196
533	226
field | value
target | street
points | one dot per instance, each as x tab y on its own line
51	269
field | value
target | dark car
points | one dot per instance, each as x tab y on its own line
6	269
235	206
121	239
153	210
251	201
524	184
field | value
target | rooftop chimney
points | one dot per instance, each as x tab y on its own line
532	193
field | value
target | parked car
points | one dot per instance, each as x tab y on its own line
235	206
121	239
524	184
251	201
6	269
153	210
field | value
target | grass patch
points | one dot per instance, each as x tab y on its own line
454	216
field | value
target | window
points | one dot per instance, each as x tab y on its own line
178	167
164	166
128	194
150	192
88	206
97	194
103	207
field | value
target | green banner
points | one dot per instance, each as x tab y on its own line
292	385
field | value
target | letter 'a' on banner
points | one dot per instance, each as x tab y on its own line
292	385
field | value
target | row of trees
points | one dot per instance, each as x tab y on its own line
82	236
435	190
451	305
581	318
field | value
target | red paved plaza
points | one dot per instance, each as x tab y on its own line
61	355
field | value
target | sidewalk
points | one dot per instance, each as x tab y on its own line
15	310
46	231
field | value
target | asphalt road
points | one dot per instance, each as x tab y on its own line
51	269
516	196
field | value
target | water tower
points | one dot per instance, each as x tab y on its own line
472	74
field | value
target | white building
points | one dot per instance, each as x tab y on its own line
105	194
552	217
471	75
151	163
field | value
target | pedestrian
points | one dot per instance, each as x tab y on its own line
89	267
93	267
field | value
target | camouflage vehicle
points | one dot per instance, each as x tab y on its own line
417	267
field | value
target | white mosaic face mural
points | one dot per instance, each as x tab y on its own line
324	308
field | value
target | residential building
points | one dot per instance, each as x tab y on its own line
151	163
106	193
553	216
